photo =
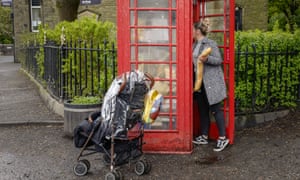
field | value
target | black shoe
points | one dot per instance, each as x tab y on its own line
200	140
221	144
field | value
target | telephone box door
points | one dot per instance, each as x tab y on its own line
220	16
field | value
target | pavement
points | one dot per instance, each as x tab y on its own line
20	101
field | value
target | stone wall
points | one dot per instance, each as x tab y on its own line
6	49
22	24
255	14
107	10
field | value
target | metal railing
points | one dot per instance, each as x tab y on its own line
30	63
74	69
265	81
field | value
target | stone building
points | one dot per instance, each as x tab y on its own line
29	14
251	14
106	10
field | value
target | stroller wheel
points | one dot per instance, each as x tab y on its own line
140	168
119	174
148	166
87	163
80	169
116	175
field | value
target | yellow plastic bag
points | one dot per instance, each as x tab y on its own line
153	102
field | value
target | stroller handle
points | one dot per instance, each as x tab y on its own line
122	87
150	78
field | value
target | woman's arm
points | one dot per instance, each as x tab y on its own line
214	58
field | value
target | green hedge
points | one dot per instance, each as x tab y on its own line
269	78
83	33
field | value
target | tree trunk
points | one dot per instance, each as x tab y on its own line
67	9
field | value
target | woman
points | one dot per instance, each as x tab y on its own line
213	89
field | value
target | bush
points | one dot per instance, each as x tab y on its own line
269	77
83	33
6	32
85	100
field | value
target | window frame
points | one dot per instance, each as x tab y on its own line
31	16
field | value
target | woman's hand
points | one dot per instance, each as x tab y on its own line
202	58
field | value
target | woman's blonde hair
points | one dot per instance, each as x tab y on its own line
202	26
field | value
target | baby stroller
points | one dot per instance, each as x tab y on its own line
118	129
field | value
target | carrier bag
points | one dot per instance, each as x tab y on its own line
153	102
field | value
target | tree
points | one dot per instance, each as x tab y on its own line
67	9
5	25
286	13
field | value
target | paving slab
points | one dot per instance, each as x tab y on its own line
20	102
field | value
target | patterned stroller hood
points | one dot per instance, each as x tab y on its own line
122	103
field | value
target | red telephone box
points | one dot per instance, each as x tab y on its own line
155	36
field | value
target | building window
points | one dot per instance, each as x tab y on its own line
35	14
238	18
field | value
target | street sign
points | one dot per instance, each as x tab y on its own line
6	3
90	2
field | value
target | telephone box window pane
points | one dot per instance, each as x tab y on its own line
174	57
156	70
216	23
214	7
153	35
227	22
227	38
174	36
165	108
132	18
174	123
174	105
173	3
163	122
132	35
173	18
132	3
174	86
132	51
169	75
222	51
163	88
133	67
166	105
218	37
153	18
153	53
153	3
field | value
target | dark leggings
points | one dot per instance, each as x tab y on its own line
204	109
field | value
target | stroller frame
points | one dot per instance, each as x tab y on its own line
142	166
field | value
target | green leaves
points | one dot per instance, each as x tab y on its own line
85	100
86	53
284	14
5	26
85	29
267	69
